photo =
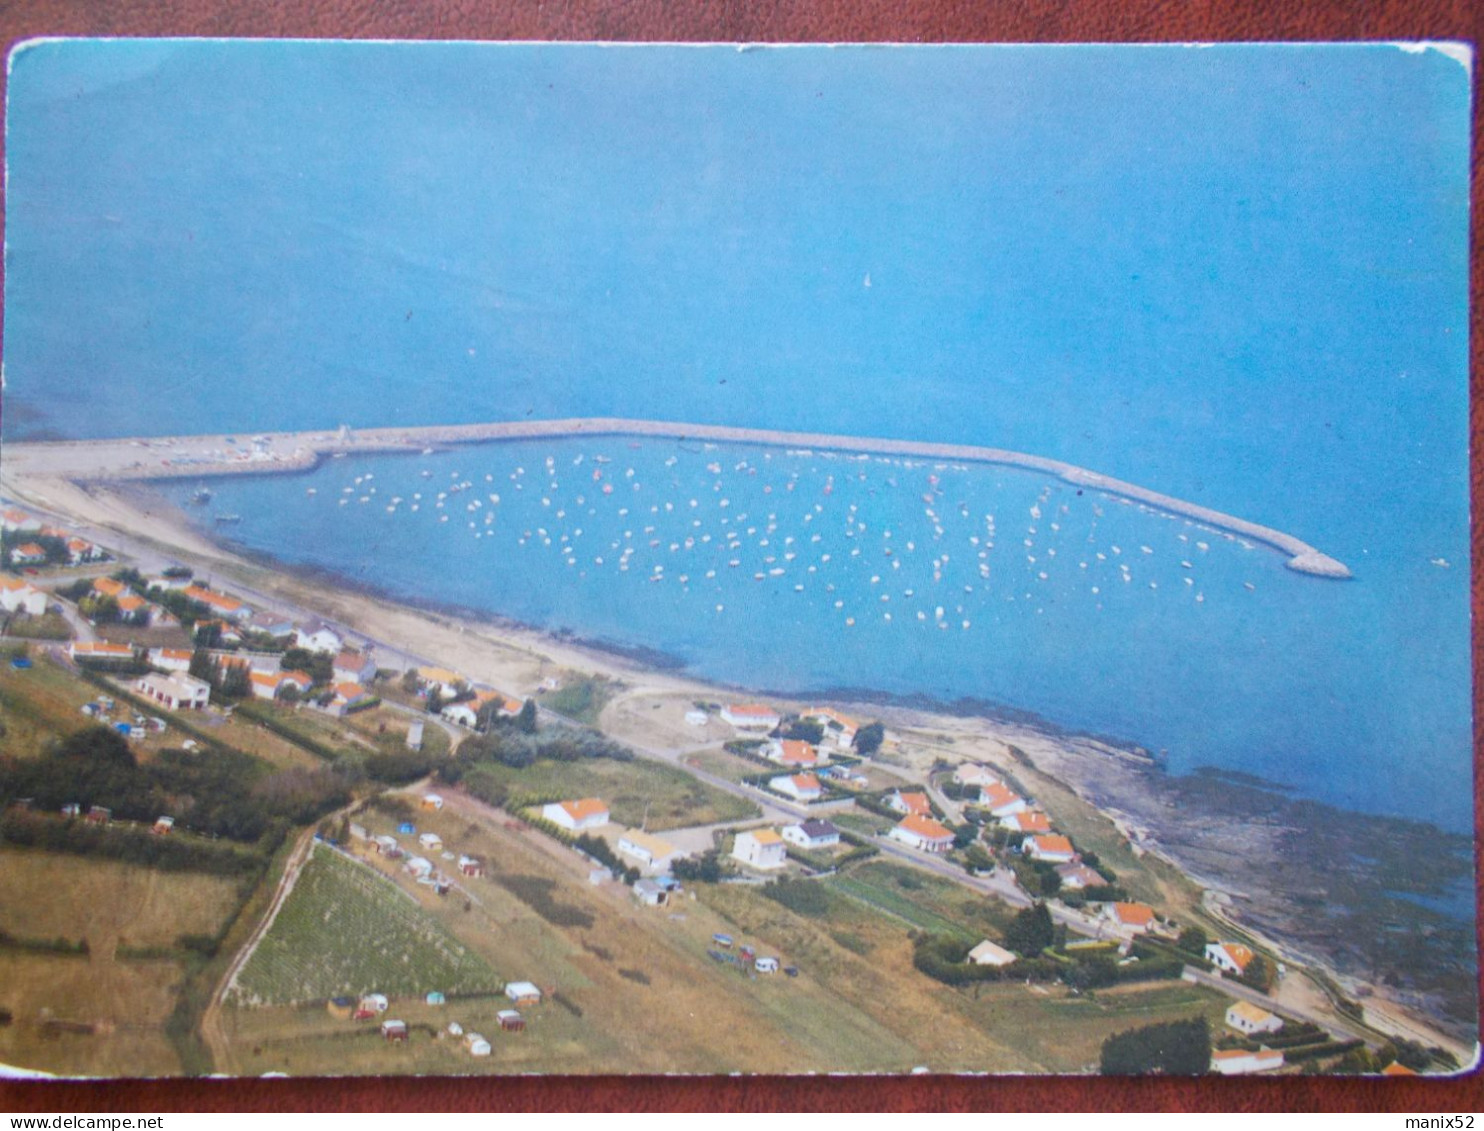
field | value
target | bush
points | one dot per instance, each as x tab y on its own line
801	896
1173	1048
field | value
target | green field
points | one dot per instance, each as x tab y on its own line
581	697
346	930
670	797
923	901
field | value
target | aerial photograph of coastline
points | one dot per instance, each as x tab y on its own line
630	559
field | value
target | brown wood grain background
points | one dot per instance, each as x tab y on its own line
775	20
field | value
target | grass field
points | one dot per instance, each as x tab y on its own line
580	697
39	703
671	797
108	903
725	765
924	901
346	930
388	730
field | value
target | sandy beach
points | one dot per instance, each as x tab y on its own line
1238	861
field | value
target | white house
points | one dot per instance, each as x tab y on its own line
17	521
1028	822
431	842
760	848
839	728
812	834
19	596
354	667
575	816
175	691
1077	876
1136	917
1245	1017
1229	956
1001	800
1052	847
269	685
802	787
648	850
171	659
792	752
99	650
990	954
971	773
523	993
317	636
1239	1062
466	713
229	608
922	833
910	803
750	716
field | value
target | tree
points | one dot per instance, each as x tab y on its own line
1193	941
410	681
203	666
1258	974
526	721
236	682
97	744
805	730
435	702
1173	1048
868	739
1030	932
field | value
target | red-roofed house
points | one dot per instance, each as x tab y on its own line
17	520
1131	916
99	651
28	553
1229	956
218	603
588	813
793	752
270	685
910	803
79	550
750	716
1001	800
923	833
354	667
171	659
1027	822
803	787
1052	847
19	596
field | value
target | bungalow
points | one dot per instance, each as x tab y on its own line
1247	1018
174	584
1131	916
812	834
760	848
18	521
467	712
431	842
19	596
317	636
792	752
28	553
109	587
79	551
1229	956
1240	1062
226	632
523	993
171	659
269	624
922	833
839	728
220	604
575	816
650	893
175	691
991	954
802	787
1001	800
354	667
971	773
1077	876
431	803
270	685
1030	821
750	716
348	695
650	851
914	803
134	609
100	651
1053	848
471	866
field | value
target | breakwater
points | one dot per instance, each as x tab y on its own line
201	456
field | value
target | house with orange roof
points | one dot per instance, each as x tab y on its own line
270	685
109	587
28	553
1077	876
349	695
577	816
922	833
1240	1062
226	631
839	728
750	716
134	609
18	521
100	650
972	773
1029	821
466	712
1051	847
354	667
1397	1068
792	752
1130	916
1001	800
219	603
171	659
20	596
1232	957
910	803
80	550
1247	1018
801	787
760	848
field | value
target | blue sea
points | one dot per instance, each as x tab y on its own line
1234	274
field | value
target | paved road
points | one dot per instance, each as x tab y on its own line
1334	1026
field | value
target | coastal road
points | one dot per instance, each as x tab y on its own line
1334	1026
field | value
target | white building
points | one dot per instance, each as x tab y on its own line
1053	848
802	787
991	954
750	716
175	691
812	834
1247	1018
19	596
648	851
171	659
1238	1062
760	848
1229	956
317	636
922	833
575	816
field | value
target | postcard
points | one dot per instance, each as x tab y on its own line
597	558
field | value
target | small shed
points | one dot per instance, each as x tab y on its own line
435	998
510	1020
480	1047
431	842
471	866
650	893
340	1008
415	735
454	1029
394	1030
523	993
387	846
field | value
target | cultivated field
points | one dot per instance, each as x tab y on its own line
125	1002
346	930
